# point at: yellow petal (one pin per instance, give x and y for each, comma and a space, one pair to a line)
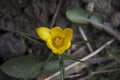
57, 31
67, 44
68, 36
68, 33
58, 52
49, 43
43, 33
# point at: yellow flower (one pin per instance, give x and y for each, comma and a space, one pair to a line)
57, 40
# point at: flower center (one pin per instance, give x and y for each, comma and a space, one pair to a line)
58, 42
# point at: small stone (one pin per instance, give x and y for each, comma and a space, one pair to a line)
115, 19
11, 46
90, 6
29, 12
103, 7
36, 9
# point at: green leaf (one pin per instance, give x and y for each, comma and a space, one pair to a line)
6, 77
22, 67
52, 66
78, 15
29, 67
96, 20
82, 16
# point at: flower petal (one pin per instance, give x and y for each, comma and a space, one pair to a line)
57, 31
67, 44
49, 43
68, 33
58, 52
68, 36
43, 33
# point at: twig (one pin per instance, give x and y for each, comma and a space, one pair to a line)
83, 59
108, 29
109, 65
85, 38
96, 72
104, 71
79, 49
55, 14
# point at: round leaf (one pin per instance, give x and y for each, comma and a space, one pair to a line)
78, 15
22, 67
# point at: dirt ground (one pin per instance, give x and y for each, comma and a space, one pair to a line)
26, 15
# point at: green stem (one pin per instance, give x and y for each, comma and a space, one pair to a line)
72, 58
90, 41
61, 65
27, 36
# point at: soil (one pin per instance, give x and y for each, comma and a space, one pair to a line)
26, 15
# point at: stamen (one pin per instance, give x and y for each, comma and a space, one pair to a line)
58, 42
